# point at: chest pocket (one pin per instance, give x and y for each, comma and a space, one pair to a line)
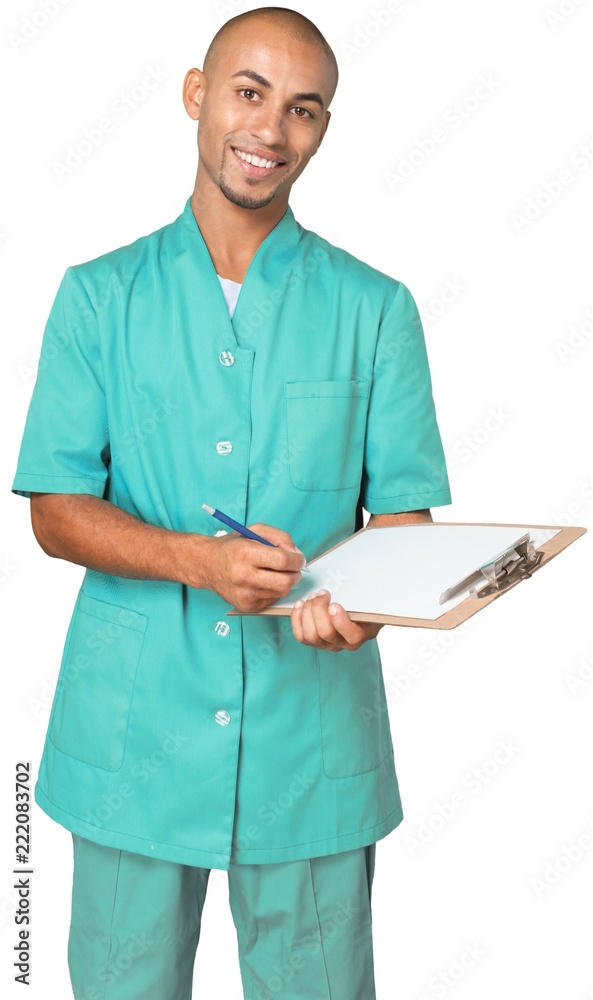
326, 424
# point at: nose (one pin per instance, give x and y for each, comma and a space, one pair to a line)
269, 126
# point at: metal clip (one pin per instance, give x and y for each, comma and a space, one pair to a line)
510, 567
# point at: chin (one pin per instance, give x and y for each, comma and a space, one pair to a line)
246, 199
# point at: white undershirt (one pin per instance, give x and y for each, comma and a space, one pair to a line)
231, 291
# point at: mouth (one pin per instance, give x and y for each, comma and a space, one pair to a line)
257, 166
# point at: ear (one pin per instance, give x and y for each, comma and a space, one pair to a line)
194, 87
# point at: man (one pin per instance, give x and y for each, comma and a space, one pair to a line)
181, 740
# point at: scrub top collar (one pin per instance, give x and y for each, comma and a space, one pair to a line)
275, 255
284, 236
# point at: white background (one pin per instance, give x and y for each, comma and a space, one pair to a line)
512, 405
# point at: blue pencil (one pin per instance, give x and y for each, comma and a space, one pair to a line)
247, 532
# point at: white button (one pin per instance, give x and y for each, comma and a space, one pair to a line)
222, 531
223, 718
222, 628
224, 447
226, 358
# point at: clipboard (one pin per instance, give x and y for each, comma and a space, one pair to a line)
431, 575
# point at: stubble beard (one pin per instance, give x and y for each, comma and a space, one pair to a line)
243, 200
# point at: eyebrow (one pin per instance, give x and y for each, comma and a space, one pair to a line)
257, 78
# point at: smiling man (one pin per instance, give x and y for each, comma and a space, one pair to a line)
232, 358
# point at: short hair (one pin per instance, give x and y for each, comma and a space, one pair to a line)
299, 27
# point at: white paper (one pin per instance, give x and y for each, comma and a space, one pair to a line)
402, 570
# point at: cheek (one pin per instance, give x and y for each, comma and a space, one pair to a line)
218, 121
304, 145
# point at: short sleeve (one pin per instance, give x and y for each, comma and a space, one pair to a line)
404, 462
65, 444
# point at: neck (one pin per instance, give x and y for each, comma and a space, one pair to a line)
231, 233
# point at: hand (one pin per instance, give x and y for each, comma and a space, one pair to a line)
313, 625
247, 574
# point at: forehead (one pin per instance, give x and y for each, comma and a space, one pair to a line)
285, 62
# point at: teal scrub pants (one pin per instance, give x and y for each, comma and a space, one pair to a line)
303, 927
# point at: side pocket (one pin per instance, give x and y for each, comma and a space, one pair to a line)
92, 703
355, 731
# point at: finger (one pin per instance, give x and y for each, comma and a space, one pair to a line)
301, 620
317, 625
351, 633
279, 538
324, 623
296, 620
273, 534
278, 558
271, 585
295, 549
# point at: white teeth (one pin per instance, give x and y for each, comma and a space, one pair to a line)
256, 160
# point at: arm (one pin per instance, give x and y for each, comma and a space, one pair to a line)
92, 532
314, 624
407, 517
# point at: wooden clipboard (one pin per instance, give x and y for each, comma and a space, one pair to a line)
498, 577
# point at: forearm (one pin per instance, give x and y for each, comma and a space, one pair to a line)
94, 533
406, 517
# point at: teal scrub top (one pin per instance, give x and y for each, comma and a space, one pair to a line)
175, 731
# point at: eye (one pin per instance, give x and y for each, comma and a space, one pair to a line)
247, 91
306, 112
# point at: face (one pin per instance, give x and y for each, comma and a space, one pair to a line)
262, 113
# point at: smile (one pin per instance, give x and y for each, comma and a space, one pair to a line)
257, 160
256, 166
